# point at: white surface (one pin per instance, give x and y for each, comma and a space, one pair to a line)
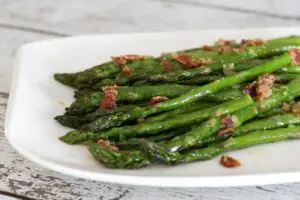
35, 96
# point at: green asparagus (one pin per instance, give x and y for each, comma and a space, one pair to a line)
211, 126
251, 139
194, 95
89, 102
142, 129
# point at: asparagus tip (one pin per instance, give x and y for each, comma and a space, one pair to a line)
155, 150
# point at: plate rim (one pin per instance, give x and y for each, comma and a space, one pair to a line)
154, 181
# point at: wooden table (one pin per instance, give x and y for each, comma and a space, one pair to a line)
23, 21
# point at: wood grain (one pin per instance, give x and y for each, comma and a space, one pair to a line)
2, 197
80, 17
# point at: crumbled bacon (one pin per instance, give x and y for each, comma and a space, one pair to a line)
186, 60
295, 56
167, 65
296, 108
158, 99
208, 48
106, 145
286, 107
229, 162
225, 131
227, 121
252, 42
264, 86
109, 101
224, 49
122, 60
222, 42
126, 70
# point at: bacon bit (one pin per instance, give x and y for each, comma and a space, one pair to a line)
295, 56
225, 131
208, 48
229, 162
186, 60
158, 99
106, 145
252, 42
167, 65
119, 60
224, 49
122, 60
110, 100
286, 107
222, 42
227, 121
251, 89
128, 71
296, 108
264, 86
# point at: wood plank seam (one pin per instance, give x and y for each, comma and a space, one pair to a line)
34, 30
231, 9
9, 194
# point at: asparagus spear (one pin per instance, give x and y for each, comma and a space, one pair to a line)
130, 159
186, 109
294, 69
89, 102
248, 54
76, 121
251, 139
178, 121
81, 93
273, 122
211, 126
108, 156
79, 136
270, 113
93, 75
135, 142
200, 80
195, 94
282, 77
93, 99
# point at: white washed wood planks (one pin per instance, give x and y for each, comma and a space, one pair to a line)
79, 17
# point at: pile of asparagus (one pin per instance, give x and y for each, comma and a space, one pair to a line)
187, 105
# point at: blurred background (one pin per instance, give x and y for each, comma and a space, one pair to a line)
22, 21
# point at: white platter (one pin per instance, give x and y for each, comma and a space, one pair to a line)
35, 98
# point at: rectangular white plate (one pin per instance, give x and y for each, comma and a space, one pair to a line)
35, 98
